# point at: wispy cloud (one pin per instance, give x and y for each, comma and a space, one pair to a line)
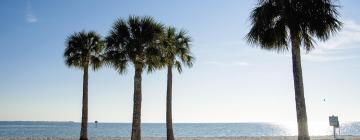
347, 38
322, 58
225, 63
30, 17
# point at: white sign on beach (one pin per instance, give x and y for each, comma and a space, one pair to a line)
334, 121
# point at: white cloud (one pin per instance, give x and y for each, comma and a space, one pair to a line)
322, 58
347, 38
29, 15
240, 63
31, 18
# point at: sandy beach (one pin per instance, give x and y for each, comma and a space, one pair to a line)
188, 138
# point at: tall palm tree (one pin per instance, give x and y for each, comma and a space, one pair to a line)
175, 52
135, 41
277, 23
82, 51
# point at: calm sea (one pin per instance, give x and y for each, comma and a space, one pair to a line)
71, 129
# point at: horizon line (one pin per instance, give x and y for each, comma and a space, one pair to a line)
353, 121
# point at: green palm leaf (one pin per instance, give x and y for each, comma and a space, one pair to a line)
176, 49
134, 41
83, 49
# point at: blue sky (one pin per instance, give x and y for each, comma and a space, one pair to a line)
230, 81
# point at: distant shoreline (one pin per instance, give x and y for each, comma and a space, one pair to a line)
187, 138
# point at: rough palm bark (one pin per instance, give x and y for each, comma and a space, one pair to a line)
136, 130
84, 118
169, 125
303, 133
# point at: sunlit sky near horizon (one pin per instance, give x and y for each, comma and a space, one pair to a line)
230, 81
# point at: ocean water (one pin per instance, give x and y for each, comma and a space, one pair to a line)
71, 129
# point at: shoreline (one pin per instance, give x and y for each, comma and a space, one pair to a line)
186, 138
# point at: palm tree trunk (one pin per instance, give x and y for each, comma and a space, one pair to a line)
136, 129
169, 125
303, 133
84, 118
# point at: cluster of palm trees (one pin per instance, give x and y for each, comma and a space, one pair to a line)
148, 45
140, 41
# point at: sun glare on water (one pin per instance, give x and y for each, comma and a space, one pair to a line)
315, 128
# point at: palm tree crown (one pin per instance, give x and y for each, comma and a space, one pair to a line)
275, 22
176, 48
83, 49
135, 41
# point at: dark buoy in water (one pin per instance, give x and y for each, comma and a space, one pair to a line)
96, 122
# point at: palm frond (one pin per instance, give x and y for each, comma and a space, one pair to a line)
83, 49
272, 21
268, 27
176, 48
134, 41
178, 66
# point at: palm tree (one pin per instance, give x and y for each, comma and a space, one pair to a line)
175, 52
82, 51
134, 41
277, 23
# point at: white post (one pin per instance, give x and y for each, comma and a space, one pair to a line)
334, 132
